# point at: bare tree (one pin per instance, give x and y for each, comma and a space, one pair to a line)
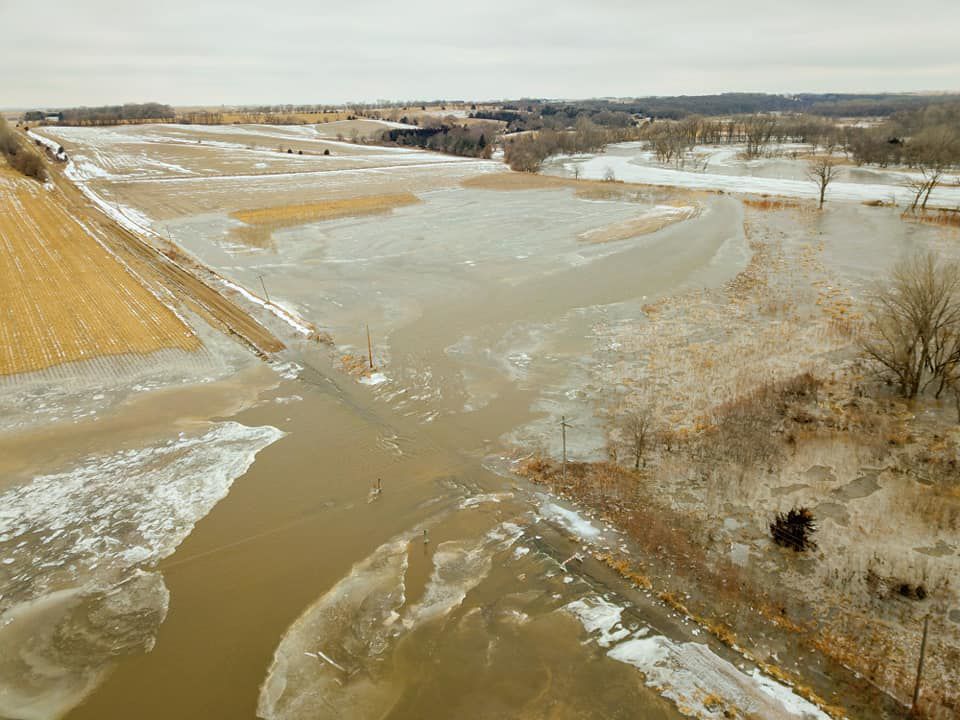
933, 151
758, 131
914, 324
822, 170
637, 428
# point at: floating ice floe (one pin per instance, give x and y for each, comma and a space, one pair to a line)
359, 621
484, 498
376, 378
79, 548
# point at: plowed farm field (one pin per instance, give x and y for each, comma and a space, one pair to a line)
63, 296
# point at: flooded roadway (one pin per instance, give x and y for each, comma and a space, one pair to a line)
293, 591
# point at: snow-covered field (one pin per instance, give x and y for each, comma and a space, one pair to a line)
724, 170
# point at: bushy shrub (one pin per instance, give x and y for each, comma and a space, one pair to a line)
794, 529
19, 155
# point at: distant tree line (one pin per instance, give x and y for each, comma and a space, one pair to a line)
116, 114
821, 104
19, 154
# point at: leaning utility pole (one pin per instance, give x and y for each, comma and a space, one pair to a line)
264, 286
923, 651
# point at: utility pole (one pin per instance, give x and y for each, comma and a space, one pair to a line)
264, 286
923, 651
369, 347
563, 434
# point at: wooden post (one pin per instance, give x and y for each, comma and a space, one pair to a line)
563, 433
923, 651
369, 347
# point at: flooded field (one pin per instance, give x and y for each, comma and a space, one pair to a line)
312, 538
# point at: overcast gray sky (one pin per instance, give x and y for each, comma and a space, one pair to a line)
67, 52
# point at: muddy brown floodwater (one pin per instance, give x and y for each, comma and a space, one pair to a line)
222, 552
489, 639
296, 523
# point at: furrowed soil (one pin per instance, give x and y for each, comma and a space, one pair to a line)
64, 296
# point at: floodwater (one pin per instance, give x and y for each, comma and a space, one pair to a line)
216, 549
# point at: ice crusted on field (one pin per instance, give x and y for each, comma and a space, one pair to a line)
290, 318
689, 672
629, 169
330, 662
599, 616
569, 520
79, 546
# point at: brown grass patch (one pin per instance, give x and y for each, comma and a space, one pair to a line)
261, 223
585, 189
942, 218
287, 215
516, 181
63, 296
770, 203
649, 222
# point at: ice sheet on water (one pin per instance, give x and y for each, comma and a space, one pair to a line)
329, 663
458, 567
376, 378
351, 625
484, 498
78, 547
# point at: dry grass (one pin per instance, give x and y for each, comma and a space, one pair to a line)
942, 218
517, 181
63, 296
260, 223
586, 189
287, 215
650, 222
769, 203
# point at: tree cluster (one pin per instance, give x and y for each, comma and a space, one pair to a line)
464, 140
528, 151
926, 139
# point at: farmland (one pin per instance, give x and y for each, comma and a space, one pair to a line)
65, 297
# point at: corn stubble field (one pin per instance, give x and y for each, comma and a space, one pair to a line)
64, 297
